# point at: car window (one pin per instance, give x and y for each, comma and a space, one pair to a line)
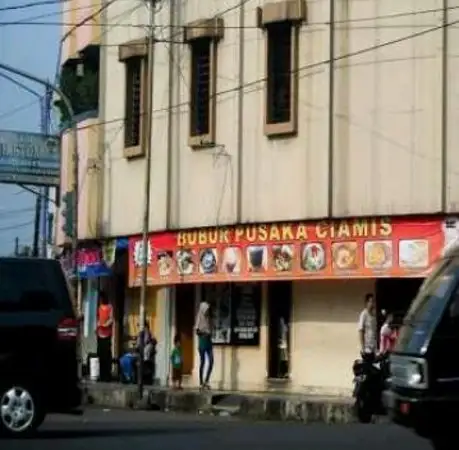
32, 285
432, 297
429, 308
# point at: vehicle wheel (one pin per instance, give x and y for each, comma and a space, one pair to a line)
362, 412
21, 411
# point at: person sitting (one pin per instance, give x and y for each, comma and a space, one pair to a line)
127, 366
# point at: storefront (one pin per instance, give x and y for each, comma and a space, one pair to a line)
157, 306
101, 267
286, 297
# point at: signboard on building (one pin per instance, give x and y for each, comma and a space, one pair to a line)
29, 158
353, 248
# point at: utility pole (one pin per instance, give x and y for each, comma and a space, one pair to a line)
16, 246
45, 129
146, 142
36, 227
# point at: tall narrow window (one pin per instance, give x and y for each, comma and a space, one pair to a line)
133, 102
279, 73
200, 86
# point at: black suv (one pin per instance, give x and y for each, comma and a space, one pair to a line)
38, 345
424, 391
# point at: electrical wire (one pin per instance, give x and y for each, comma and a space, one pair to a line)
85, 21
12, 212
33, 20
18, 225
30, 5
18, 109
299, 69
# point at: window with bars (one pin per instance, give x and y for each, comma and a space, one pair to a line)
133, 102
279, 73
201, 72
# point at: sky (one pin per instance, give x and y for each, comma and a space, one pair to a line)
32, 48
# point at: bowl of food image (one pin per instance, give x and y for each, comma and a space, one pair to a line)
165, 263
283, 257
185, 262
231, 260
257, 258
345, 255
208, 261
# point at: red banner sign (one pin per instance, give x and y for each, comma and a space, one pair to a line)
305, 250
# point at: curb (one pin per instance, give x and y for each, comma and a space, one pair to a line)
250, 407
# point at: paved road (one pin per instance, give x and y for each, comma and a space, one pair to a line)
118, 430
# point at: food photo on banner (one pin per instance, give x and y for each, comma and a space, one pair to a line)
363, 248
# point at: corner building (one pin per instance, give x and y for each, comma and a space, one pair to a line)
290, 176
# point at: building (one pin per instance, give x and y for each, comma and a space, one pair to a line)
296, 167
79, 79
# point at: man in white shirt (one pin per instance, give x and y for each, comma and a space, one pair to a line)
367, 326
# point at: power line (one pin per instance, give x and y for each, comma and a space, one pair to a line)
30, 5
18, 225
300, 69
15, 211
32, 21
84, 22
120, 17
18, 109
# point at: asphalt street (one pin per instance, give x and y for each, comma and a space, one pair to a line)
126, 430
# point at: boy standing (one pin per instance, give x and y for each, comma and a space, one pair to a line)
176, 363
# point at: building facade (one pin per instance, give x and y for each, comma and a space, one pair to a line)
335, 119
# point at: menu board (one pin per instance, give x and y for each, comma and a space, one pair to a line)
246, 314
235, 312
219, 297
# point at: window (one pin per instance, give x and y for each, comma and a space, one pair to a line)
79, 80
133, 102
279, 68
202, 37
200, 86
281, 22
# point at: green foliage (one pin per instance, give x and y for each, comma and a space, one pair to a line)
82, 91
68, 213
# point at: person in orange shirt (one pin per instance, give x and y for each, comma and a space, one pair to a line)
104, 337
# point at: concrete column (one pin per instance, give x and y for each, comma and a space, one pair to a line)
164, 327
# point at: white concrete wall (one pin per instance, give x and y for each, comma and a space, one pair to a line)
324, 333
387, 117
324, 342
124, 179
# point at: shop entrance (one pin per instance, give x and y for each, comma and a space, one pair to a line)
279, 317
184, 323
394, 295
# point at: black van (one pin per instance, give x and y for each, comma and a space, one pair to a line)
424, 393
39, 370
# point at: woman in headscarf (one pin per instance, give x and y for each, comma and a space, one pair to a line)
204, 332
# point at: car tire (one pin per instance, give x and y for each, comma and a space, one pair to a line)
21, 409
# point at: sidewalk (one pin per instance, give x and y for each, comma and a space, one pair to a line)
256, 406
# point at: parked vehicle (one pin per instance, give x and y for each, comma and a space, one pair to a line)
38, 345
424, 394
370, 377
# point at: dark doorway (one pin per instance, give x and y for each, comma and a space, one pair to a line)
279, 322
184, 323
394, 295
